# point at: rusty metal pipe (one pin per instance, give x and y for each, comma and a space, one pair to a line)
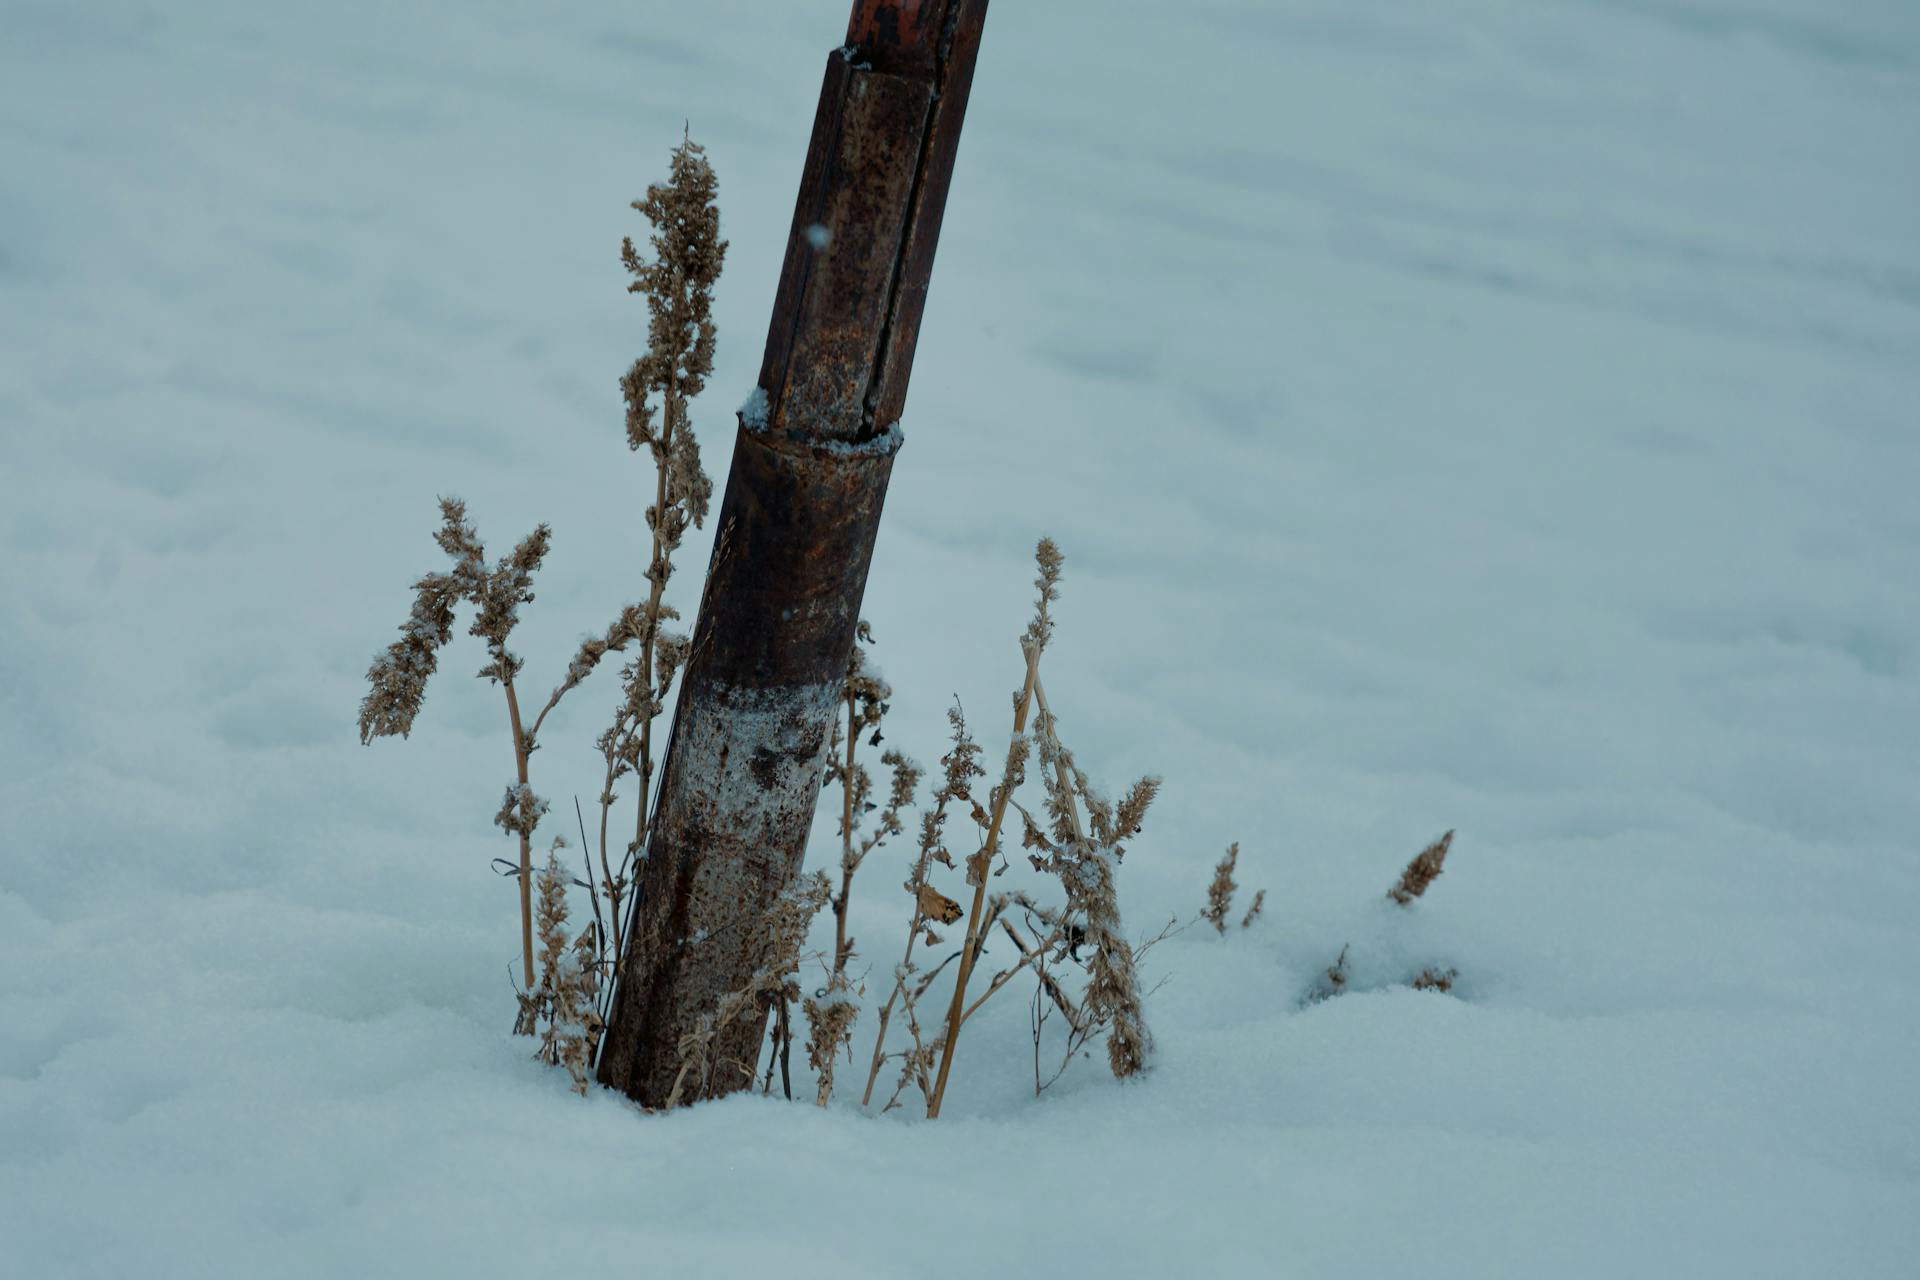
812, 456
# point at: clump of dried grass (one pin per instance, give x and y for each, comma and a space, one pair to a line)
1079, 842
1337, 974
1220, 894
1414, 881
959, 767
565, 1004
1084, 856
1253, 912
678, 285
832, 1011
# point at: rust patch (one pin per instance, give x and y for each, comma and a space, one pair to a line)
849, 221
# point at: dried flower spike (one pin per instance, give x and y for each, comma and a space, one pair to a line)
1253, 912
1220, 892
1422, 871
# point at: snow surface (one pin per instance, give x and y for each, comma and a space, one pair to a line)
1474, 414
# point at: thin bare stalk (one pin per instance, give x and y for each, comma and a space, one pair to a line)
848, 864
914, 929
958, 772
827, 1024
1060, 766
526, 840
586, 860
978, 873
657, 572
610, 885
832, 1011
1034, 957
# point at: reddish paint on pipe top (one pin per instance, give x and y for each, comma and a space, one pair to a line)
893, 24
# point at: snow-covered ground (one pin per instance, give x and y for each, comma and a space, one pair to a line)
1482, 414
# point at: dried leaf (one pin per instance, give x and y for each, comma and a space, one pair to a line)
935, 905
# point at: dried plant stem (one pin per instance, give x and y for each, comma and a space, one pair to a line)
599, 924
879, 1046
611, 886
832, 1011
783, 1020
848, 862
885, 1018
832, 1023
1059, 763
827, 1046
1085, 856
970, 949
1034, 957
1220, 892
958, 772
526, 840
914, 929
658, 570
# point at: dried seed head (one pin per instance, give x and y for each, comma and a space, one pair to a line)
521, 810
397, 680
1422, 871
1047, 556
1220, 892
565, 999
499, 598
462, 545
1133, 808
550, 916
678, 284
1253, 912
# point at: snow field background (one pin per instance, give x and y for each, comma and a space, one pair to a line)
1483, 415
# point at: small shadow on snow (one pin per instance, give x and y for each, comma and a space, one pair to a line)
1106, 363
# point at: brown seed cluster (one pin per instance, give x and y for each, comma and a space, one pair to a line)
1422, 871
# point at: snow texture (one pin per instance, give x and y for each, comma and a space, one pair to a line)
1474, 414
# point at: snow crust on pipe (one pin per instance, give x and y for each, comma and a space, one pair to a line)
753, 418
753, 410
743, 782
751, 765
